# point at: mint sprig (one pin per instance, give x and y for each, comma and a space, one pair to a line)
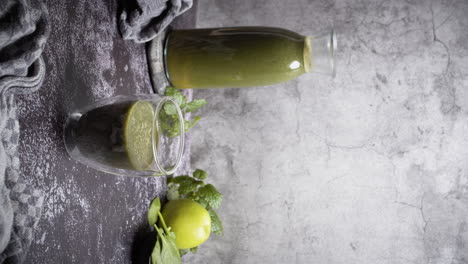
194, 188
169, 120
209, 195
183, 187
216, 224
165, 250
200, 174
194, 105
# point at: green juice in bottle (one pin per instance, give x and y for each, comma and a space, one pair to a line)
239, 56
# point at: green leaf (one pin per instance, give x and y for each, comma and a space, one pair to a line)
171, 250
176, 95
169, 254
172, 127
194, 188
216, 224
170, 91
169, 119
189, 124
211, 195
193, 250
168, 125
174, 130
187, 188
156, 254
202, 201
186, 184
170, 109
194, 105
173, 192
155, 207
200, 174
180, 179
183, 251
192, 196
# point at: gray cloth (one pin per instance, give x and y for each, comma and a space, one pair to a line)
23, 34
143, 20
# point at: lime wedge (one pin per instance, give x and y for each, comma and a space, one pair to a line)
138, 135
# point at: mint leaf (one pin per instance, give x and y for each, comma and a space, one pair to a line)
212, 197
155, 207
171, 91
194, 105
169, 126
172, 192
216, 224
168, 254
169, 118
186, 184
183, 251
156, 254
171, 253
191, 196
176, 95
193, 188
170, 109
167, 251
202, 201
189, 124
189, 187
180, 179
175, 130
200, 174
172, 128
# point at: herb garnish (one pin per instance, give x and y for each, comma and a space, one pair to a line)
194, 188
170, 122
165, 250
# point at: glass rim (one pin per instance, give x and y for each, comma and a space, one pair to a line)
165, 42
332, 48
156, 126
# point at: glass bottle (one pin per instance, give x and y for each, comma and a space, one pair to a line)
244, 56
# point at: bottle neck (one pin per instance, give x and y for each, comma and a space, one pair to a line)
307, 55
319, 53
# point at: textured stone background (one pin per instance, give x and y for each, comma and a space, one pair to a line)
88, 216
371, 167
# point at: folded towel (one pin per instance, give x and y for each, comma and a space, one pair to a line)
23, 34
145, 19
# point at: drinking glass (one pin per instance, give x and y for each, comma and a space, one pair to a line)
127, 135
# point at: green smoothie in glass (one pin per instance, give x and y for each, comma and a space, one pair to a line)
126, 135
118, 135
244, 56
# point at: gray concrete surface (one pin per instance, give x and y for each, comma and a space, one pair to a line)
370, 167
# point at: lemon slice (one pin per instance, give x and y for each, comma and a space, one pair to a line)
138, 137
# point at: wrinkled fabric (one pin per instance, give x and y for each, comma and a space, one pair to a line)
23, 34
145, 19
